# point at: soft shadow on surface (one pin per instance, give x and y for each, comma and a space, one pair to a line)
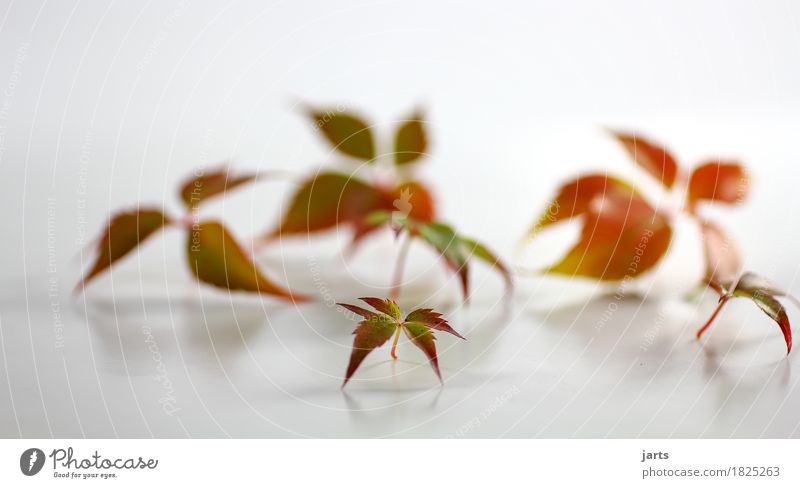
622, 328
132, 328
220, 330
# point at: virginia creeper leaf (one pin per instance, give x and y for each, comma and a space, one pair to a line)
423, 338
445, 240
384, 306
622, 236
753, 281
330, 199
719, 182
433, 320
576, 197
763, 294
125, 231
346, 132
652, 157
371, 333
723, 263
410, 141
480, 251
217, 259
367, 314
378, 327
203, 186
455, 250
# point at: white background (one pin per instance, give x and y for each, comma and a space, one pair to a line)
105, 105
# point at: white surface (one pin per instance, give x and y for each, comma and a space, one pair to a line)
107, 105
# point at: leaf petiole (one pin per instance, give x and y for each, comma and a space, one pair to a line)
394, 344
722, 301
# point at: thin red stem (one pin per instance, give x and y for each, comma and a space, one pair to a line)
722, 301
394, 344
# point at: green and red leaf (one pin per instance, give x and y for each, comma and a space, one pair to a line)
370, 334
203, 186
480, 251
378, 327
124, 233
454, 249
367, 314
385, 306
330, 199
346, 132
762, 293
655, 159
422, 337
433, 320
445, 240
215, 258
410, 141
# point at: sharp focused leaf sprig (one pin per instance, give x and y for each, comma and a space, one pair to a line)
377, 328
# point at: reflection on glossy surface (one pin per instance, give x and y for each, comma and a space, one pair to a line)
206, 364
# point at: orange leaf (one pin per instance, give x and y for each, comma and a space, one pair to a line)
652, 157
413, 200
125, 231
217, 259
622, 236
575, 198
719, 182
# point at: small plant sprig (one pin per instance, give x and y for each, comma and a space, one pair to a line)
330, 198
213, 254
378, 327
762, 293
624, 236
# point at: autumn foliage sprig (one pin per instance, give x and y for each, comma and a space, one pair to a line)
394, 197
623, 235
213, 254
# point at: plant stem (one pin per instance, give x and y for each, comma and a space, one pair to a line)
722, 301
394, 344
716, 287
399, 265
